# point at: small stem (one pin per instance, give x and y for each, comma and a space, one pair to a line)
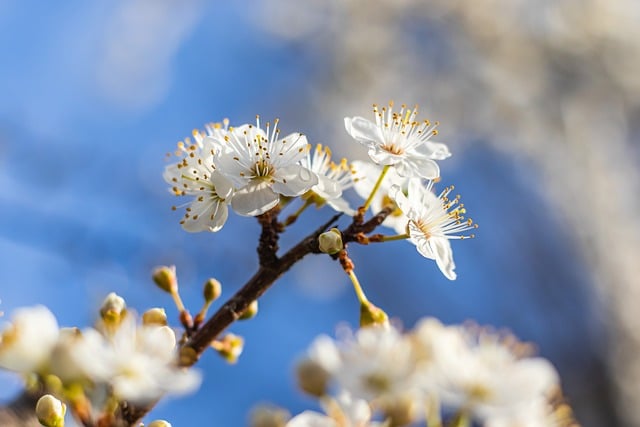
379, 238
177, 301
461, 419
292, 218
357, 287
375, 187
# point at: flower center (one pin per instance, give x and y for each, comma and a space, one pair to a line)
262, 169
393, 149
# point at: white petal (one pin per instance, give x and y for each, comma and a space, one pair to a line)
224, 187
311, 419
254, 199
434, 150
294, 180
208, 215
231, 165
341, 205
327, 188
419, 167
363, 130
400, 199
441, 248
383, 157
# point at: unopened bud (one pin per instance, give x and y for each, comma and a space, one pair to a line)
370, 315
401, 412
159, 423
268, 416
154, 316
251, 311
330, 242
165, 278
230, 347
50, 411
313, 378
212, 290
113, 309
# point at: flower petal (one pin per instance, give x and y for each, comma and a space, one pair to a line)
294, 180
441, 248
255, 198
418, 167
363, 130
434, 150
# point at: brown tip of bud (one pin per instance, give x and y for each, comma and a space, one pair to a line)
165, 278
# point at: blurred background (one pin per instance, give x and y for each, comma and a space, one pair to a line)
539, 100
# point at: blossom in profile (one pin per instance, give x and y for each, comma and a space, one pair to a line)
433, 221
27, 342
333, 179
398, 139
263, 166
195, 176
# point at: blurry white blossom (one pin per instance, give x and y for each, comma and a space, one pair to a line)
26, 342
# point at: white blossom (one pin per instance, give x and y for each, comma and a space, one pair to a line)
26, 342
489, 377
368, 174
398, 139
344, 411
433, 221
195, 176
263, 166
333, 179
143, 365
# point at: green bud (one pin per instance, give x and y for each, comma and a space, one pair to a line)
165, 278
212, 290
250, 312
50, 411
154, 316
113, 309
330, 242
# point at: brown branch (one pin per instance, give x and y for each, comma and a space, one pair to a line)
21, 412
266, 275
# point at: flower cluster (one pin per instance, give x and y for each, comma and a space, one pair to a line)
255, 170
95, 368
430, 370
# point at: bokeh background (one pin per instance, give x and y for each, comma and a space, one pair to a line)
537, 99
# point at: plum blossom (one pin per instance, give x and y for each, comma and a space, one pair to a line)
195, 176
263, 166
398, 139
433, 221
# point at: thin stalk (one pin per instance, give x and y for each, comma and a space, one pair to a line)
375, 188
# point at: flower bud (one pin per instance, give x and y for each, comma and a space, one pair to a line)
159, 423
330, 242
268, 416
230, 347
50, 411
313, 378
250, 312
370, 315
212, 290
165, 278
113, 309
154, 316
